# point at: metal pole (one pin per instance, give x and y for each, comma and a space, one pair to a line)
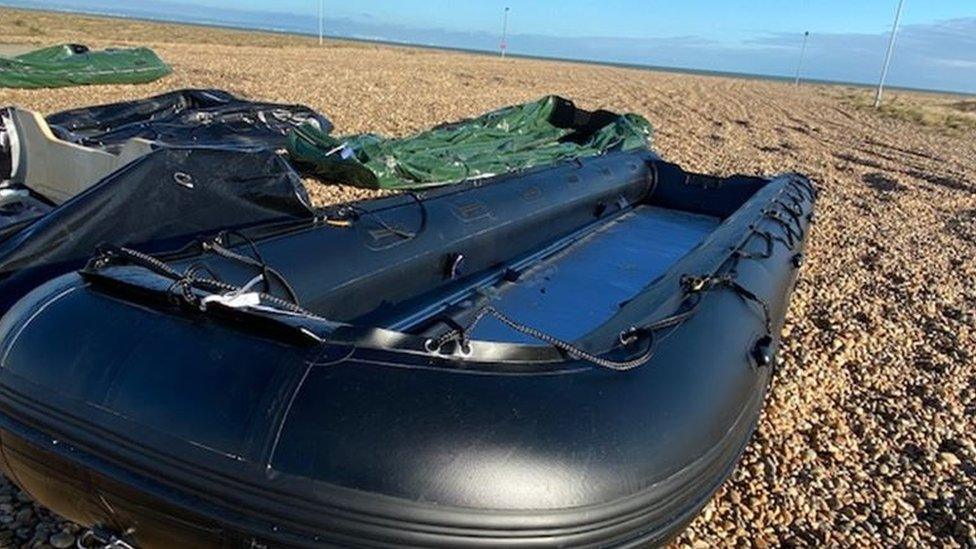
799, 63
887, 59
321, 16
504, 43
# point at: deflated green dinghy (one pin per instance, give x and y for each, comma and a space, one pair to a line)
507, 140
77, 65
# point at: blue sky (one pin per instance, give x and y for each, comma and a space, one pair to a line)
936, 46
642, 18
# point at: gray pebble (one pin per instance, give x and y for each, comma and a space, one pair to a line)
62, 540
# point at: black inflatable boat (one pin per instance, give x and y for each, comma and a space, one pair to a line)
573, 355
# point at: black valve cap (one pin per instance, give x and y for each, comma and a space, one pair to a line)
762, 352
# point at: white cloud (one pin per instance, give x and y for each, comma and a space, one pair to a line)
956, 63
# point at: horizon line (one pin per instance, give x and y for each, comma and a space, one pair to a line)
486, 52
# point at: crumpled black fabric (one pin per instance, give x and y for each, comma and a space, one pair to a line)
187, 118
18, 208
160, 202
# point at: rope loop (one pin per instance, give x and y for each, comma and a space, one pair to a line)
184, 283
693, 284
461, 337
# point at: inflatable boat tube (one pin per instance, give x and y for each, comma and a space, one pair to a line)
572, 356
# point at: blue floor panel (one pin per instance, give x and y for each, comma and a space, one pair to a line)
575, 291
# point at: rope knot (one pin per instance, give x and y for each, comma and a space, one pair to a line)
694, 284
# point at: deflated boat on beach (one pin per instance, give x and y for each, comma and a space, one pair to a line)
77, 65
510, 139
60, 156
154, 173
568, 354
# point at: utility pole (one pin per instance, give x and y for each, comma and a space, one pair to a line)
321, 22
504, 45
799, 63
887, 59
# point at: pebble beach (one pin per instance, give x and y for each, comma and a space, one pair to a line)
868, 437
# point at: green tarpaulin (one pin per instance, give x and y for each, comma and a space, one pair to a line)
76, 65
514, 138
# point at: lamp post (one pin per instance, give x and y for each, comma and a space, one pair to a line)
321, 22
799, 63
887, 58
504, 44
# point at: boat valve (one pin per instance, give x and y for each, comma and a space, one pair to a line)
455, 266
762, 351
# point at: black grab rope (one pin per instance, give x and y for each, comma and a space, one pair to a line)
769, 239
352, 211
461, 336
267, 272
187, 280
792, 235
699, 284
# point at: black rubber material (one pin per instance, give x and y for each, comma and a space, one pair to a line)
63, 474
144, 205
214, 429
186, 118
219, 168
